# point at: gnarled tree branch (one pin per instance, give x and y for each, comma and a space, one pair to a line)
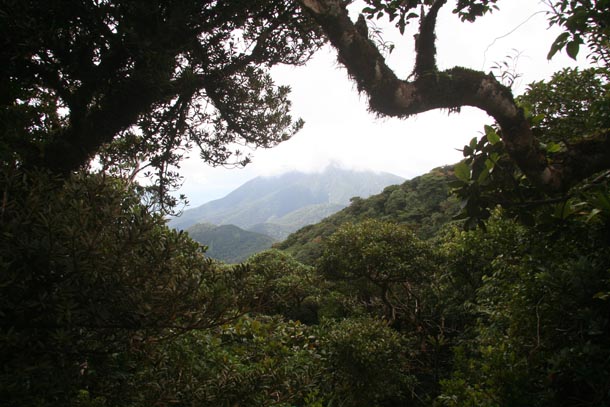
453, 88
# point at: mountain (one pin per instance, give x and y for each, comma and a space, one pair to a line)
280, 228
279, 205
228, 242
423, 202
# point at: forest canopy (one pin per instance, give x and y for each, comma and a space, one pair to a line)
496, 295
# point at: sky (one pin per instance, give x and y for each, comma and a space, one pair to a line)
340, 130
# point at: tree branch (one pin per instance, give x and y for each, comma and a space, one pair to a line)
89, 129
449, 89
425, 44
97, 116
586, 157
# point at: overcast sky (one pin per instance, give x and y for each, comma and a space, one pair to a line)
339, 129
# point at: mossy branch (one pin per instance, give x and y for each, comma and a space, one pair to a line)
425, 43
451, 89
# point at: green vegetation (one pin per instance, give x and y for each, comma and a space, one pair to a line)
93, 286
536, 329
423, 203
480, 284
228, 243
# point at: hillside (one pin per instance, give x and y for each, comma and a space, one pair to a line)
423, 203
280, 228
282, 204
229, 243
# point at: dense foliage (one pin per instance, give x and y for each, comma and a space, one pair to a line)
536, 315
101, 304
515, 312
424, 203
137, 83
573, 105
91, 283
228, 243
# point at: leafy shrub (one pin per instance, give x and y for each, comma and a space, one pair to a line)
281, 285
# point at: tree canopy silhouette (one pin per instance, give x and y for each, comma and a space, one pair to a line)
142, 81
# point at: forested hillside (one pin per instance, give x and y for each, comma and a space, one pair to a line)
482, 284
229, 243
423, 203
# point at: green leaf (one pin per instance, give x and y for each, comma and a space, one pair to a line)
473, 143
553, 147
602, 201
462, 171
572, 49
563, 210
492, 135
594, 212
483, 176
536, 120
558, 44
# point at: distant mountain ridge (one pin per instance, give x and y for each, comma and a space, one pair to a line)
280, 205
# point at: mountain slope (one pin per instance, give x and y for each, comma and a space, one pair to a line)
228, 242
282, 200
423, 203
280, 228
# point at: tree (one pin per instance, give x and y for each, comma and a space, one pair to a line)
366, 364
389, 273
585, 22
571, 105
95, 290
533, 313
258, 362
91, 284
278, 284
385, 264
430, 88
142, 81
